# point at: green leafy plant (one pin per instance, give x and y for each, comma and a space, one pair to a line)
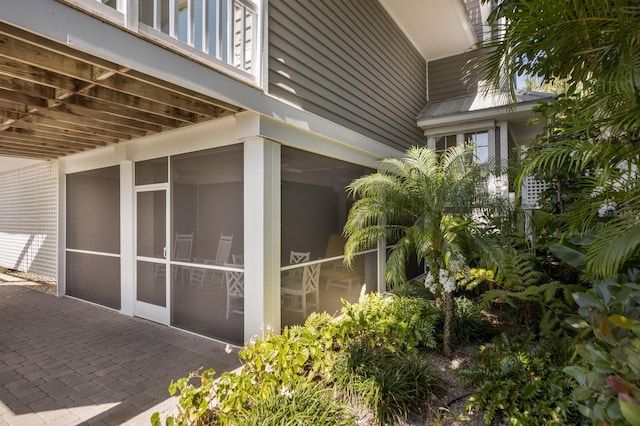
521, 382
394, 322
607, 365
427, 206
544, 307
288, 370
304, 404
470, 324
387, 383
195, 403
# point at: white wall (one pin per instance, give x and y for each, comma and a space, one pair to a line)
29, 218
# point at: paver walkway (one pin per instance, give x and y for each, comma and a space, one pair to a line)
67, 362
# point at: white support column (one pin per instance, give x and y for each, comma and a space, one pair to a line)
62, 230
127, 254
504, 156
261, 235
382, 266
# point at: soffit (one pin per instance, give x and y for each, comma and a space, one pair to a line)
56, 101
437, 28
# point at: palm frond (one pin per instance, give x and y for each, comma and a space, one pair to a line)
615, 243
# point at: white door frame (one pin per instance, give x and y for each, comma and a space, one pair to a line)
159, 314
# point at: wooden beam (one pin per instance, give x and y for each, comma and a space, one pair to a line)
47, 49
17, 143
107, 118
57, 132
135, 87
21, 98
65, 116
43, 137
120, 111
25, 87
13, 107
35, 154
140, 104
9, 115
18, 50
84, 127
16, 69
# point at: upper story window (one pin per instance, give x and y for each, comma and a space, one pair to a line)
445, 142
221, 32
480, 139
481, 142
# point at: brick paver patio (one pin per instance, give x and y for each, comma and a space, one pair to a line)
67, 362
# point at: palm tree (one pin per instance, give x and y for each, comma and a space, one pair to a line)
430, 206
593, 46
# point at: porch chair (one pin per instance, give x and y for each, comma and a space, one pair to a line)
222, 257
296, 257
181, 252
304, 293
182, 246
235, 290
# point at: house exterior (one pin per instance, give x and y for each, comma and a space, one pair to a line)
185, 161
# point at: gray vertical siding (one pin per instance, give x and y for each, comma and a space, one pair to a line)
347, 61
447, 77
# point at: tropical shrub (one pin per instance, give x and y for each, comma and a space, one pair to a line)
305, 404
282, 374
386, 382
470, 324
607, 365
543, 308
521, 382
428, 206
393, 322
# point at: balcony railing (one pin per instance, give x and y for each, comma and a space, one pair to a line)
222, 31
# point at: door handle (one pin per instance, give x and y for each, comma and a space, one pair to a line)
164, 252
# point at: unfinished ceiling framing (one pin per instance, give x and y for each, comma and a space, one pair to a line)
56, 101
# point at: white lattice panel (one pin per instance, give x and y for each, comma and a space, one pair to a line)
531, 190
29, 219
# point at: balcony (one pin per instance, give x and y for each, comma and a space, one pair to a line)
222, 34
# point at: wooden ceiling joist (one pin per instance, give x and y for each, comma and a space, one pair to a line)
56, 100
37, 145
26, 153
64, 134
30, 135
82, 129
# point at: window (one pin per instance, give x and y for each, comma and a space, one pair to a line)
481, 142
445, 142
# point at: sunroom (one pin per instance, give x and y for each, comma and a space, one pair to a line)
165, 198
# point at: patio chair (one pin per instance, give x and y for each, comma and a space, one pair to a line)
304, 293
222, 257
296, 257
235, 291
182, 246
